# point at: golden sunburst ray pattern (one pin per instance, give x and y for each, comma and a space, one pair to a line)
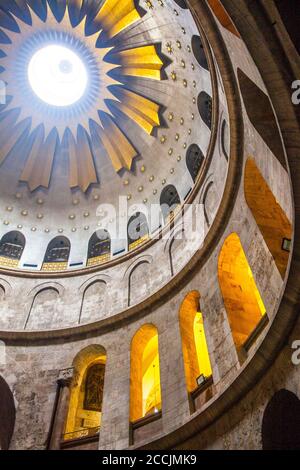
25, 26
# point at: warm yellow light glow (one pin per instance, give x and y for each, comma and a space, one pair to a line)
151, 377
201, 346
242, 299
270, 218
145, 390
141, 62
116, 15
142, 110
194, 346
80, 419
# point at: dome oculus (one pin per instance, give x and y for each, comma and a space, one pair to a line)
57, 75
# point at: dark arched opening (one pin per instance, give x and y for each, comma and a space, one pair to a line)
7, 415
12, 246
169, 202
205, 108
199, 52
281, 422
137, 230
194, 160
99, 248
57, 254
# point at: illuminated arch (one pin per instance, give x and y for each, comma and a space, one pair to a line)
85, 406
145, 390
194, 345
243, 303
270, 217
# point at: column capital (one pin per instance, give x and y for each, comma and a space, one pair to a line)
65, 377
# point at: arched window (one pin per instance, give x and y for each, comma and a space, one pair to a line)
270, 218
169, 202
12, 246
243, 303
199, 52
194, 346
86, 395
281, 422
194, 160
99, 248
57, 255
205, 108
145, 391
137, 230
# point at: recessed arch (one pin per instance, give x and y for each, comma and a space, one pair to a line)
93, 301
205, 108
12, 245
270, 217
137, 230
99, 249
86, 393
281, 422
138, 282
57, 254
194, 160
145, 389
194, 345
43, 309
242, 299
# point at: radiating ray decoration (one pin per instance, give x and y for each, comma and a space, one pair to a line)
27, 25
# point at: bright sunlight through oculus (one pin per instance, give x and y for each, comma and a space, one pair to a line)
57, 76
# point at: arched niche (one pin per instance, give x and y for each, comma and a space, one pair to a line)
194, 160
281, 422
169, 202
145, 389
12, 246
261, 115
137, 230
269, 216
194, 345
99, 249
138, 280
93, 302
57, 255
86, 393
242, 299
43, 309
7, 415
205, 108
199, 52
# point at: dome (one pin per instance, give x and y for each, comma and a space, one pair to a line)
95, 136
149, 245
